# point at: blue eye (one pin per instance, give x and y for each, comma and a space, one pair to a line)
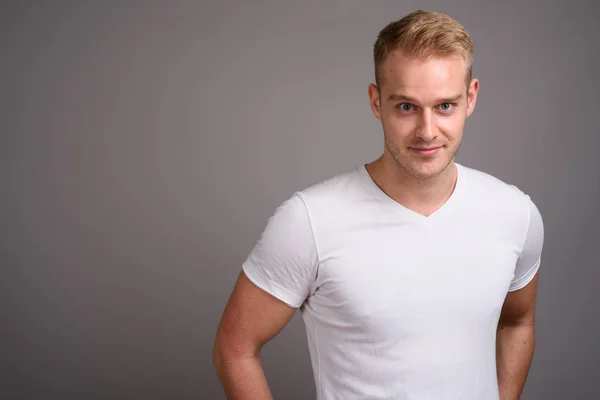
445, 106
405, 107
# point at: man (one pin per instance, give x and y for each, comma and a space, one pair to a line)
415, 276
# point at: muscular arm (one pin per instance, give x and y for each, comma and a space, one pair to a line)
515, 340
251, 318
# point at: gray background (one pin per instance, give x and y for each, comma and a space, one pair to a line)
144, 145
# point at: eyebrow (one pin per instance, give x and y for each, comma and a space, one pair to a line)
401, 97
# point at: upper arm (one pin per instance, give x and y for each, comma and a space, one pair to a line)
251, 318
531, 251
519, 305
278, 275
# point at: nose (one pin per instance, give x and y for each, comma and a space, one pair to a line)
426, 126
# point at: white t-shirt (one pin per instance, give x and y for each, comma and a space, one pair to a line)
398, 305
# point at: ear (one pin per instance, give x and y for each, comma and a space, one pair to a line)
375, 101
472, 96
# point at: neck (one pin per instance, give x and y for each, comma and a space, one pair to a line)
423, 196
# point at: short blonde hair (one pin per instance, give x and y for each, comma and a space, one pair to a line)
424, 34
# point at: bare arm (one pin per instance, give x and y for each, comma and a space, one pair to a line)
251, 318
515, 340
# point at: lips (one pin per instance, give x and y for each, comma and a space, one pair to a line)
426, 151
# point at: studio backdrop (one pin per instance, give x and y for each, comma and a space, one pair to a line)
144, 145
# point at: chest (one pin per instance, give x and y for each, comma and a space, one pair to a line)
402, 276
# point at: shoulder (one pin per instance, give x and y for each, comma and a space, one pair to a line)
498, 202
328, 200
334, 192
495, 191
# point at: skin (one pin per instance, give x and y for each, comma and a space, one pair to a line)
515, 340
251, 318
425, 104
421, 104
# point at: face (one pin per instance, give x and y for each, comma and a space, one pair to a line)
422, 106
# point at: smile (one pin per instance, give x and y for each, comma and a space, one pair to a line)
429, 151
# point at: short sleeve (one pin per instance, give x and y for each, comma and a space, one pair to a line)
284, 260
531, 254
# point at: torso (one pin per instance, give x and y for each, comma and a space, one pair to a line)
406, 306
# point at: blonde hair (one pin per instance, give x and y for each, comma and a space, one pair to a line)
424, 34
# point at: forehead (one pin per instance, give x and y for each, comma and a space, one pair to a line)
423, 78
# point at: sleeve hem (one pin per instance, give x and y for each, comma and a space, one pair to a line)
274, 289
525, 279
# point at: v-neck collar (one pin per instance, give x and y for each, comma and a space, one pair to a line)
414, 216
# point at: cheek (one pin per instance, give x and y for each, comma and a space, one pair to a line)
399, 128
451, 126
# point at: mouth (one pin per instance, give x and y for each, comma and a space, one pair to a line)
426, 151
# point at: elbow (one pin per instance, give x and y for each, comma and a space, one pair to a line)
217, 357
228, 351
221, 355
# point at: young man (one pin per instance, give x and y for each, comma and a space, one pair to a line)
415, 276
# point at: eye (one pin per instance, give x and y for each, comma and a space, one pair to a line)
405, 107
445, 106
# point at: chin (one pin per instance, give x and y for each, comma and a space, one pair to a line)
427, 168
